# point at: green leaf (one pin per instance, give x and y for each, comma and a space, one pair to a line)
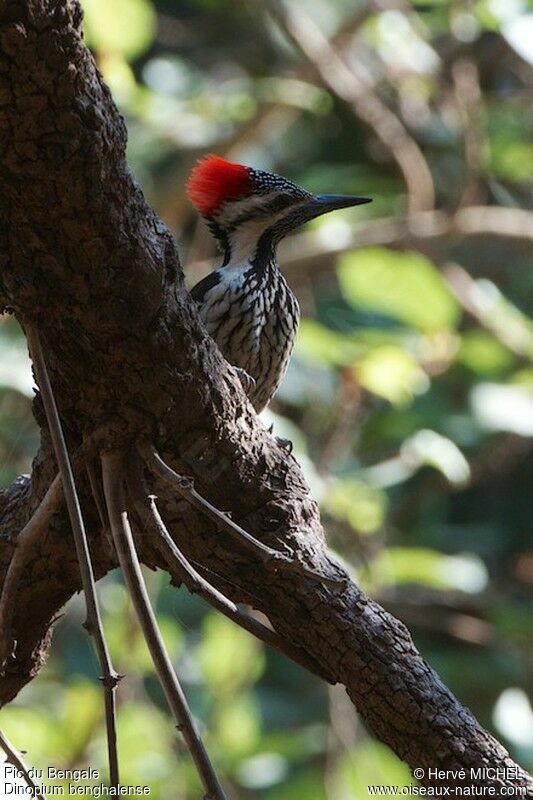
510, 152
308, 785
482, 353
318, 343
369, 764
426, 447
124, 27
428, 567
146, 751
238, 725
34, 732
405, 286
228, 656
392, 373
362, 506
82, 713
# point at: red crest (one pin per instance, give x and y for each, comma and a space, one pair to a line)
215, 180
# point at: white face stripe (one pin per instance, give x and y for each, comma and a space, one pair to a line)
244, 238
232, 210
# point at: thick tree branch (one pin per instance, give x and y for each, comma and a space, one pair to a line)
83, 255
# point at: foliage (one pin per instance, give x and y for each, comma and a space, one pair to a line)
409, 399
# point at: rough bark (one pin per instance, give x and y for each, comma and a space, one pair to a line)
84, 257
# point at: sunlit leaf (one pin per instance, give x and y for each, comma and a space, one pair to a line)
482, 353
429, 448
120, 77
82, 714
370, 763
513, 716
405, 286
125, 27
519, 34
262, 770
146, 739
318, 343
238, 725
510, 149
504, 407
392, 373
430, 568
423, 448
30, 730
229, 657
308, 784
362, 506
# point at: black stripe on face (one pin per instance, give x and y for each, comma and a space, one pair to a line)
270, 208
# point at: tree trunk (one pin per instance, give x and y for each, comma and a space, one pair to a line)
84, 258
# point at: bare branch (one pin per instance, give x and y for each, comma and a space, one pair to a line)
365, 103
196, 583
513, 330
468, 99
93, 623
267, 555
14, 758
112, 468
92, 262
417, 231
97, 493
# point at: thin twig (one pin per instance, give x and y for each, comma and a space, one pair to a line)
420, 231
196, 583
112, 470
24, 545
97, 493
469, 104
267, 555
364, 102
14, 758
512, 328
93, 623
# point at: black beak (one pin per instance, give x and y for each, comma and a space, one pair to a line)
330, 202
323, 203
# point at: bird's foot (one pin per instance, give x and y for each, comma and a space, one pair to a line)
285, 445
247, 382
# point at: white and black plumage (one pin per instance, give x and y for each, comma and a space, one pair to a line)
246, 304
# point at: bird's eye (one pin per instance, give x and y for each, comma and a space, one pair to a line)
279, 203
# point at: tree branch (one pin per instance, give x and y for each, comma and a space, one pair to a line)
14, 758
93, 623
112, 468
84, 257
269, 557
146, 507
364, 102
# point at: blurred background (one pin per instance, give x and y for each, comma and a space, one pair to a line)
409, 399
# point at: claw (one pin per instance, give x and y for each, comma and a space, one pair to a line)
285, 445
248, 383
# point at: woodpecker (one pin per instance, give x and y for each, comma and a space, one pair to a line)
246, 304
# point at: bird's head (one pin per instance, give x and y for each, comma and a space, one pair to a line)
250, 210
